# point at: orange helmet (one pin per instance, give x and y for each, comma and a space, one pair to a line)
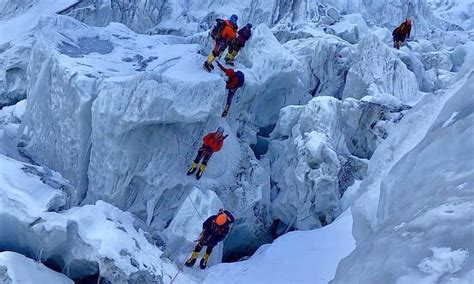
221, 219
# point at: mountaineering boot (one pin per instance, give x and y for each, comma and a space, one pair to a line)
208, 67
226, 111
203, 263
192, 169
208, 64
192, 260
229, 58
201, 171
397, 44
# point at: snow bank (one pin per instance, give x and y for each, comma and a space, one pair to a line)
16, 268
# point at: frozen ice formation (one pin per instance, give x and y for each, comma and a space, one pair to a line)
419, 202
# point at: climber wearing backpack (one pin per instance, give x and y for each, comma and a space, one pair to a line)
244, 35
223, 33
235, 81
214, 230
401, 33
212, 142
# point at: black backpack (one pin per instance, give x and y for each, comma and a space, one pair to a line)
217, 28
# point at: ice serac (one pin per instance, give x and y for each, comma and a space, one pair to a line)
59, 95
312, 156
159, 120
188, 17
323, 77
16, 268
377, 72
424, 212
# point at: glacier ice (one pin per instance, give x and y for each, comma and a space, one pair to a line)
415, 208
16, 268
377, 70
316, 153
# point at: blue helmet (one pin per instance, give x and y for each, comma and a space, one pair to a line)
249, 25
220, 129
234, 18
